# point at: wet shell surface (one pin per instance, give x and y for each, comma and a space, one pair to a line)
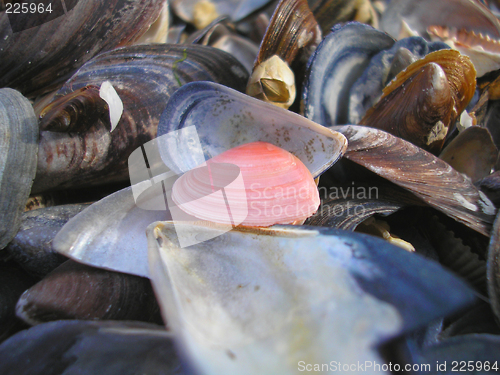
422, 101
18, 158
419, 110
272, 186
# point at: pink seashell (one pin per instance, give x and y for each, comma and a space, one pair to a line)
255, 184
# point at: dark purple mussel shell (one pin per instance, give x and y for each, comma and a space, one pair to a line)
89, 348
144, 77
77, 291
41, 58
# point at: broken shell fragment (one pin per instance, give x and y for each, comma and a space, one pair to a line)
276, 188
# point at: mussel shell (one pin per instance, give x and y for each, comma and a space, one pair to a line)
41, 57
225, 118
241, 48
335, 66
65, 114
77, 291
89, 348
461, 14
358, 202
109, 234
459, 72
428, 177
493, 268
291, 30
18, 159
97, 156
221, 34
32, 245
159, 29
289, 292
472, 152
383, 67
419, 110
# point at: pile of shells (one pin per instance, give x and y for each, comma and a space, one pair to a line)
250, 187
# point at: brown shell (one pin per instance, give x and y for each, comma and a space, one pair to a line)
459, 71
428, 177
292, 29
77, 291
419, 110
421, 102
75, 112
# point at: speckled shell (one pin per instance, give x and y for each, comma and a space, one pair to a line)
224, 118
